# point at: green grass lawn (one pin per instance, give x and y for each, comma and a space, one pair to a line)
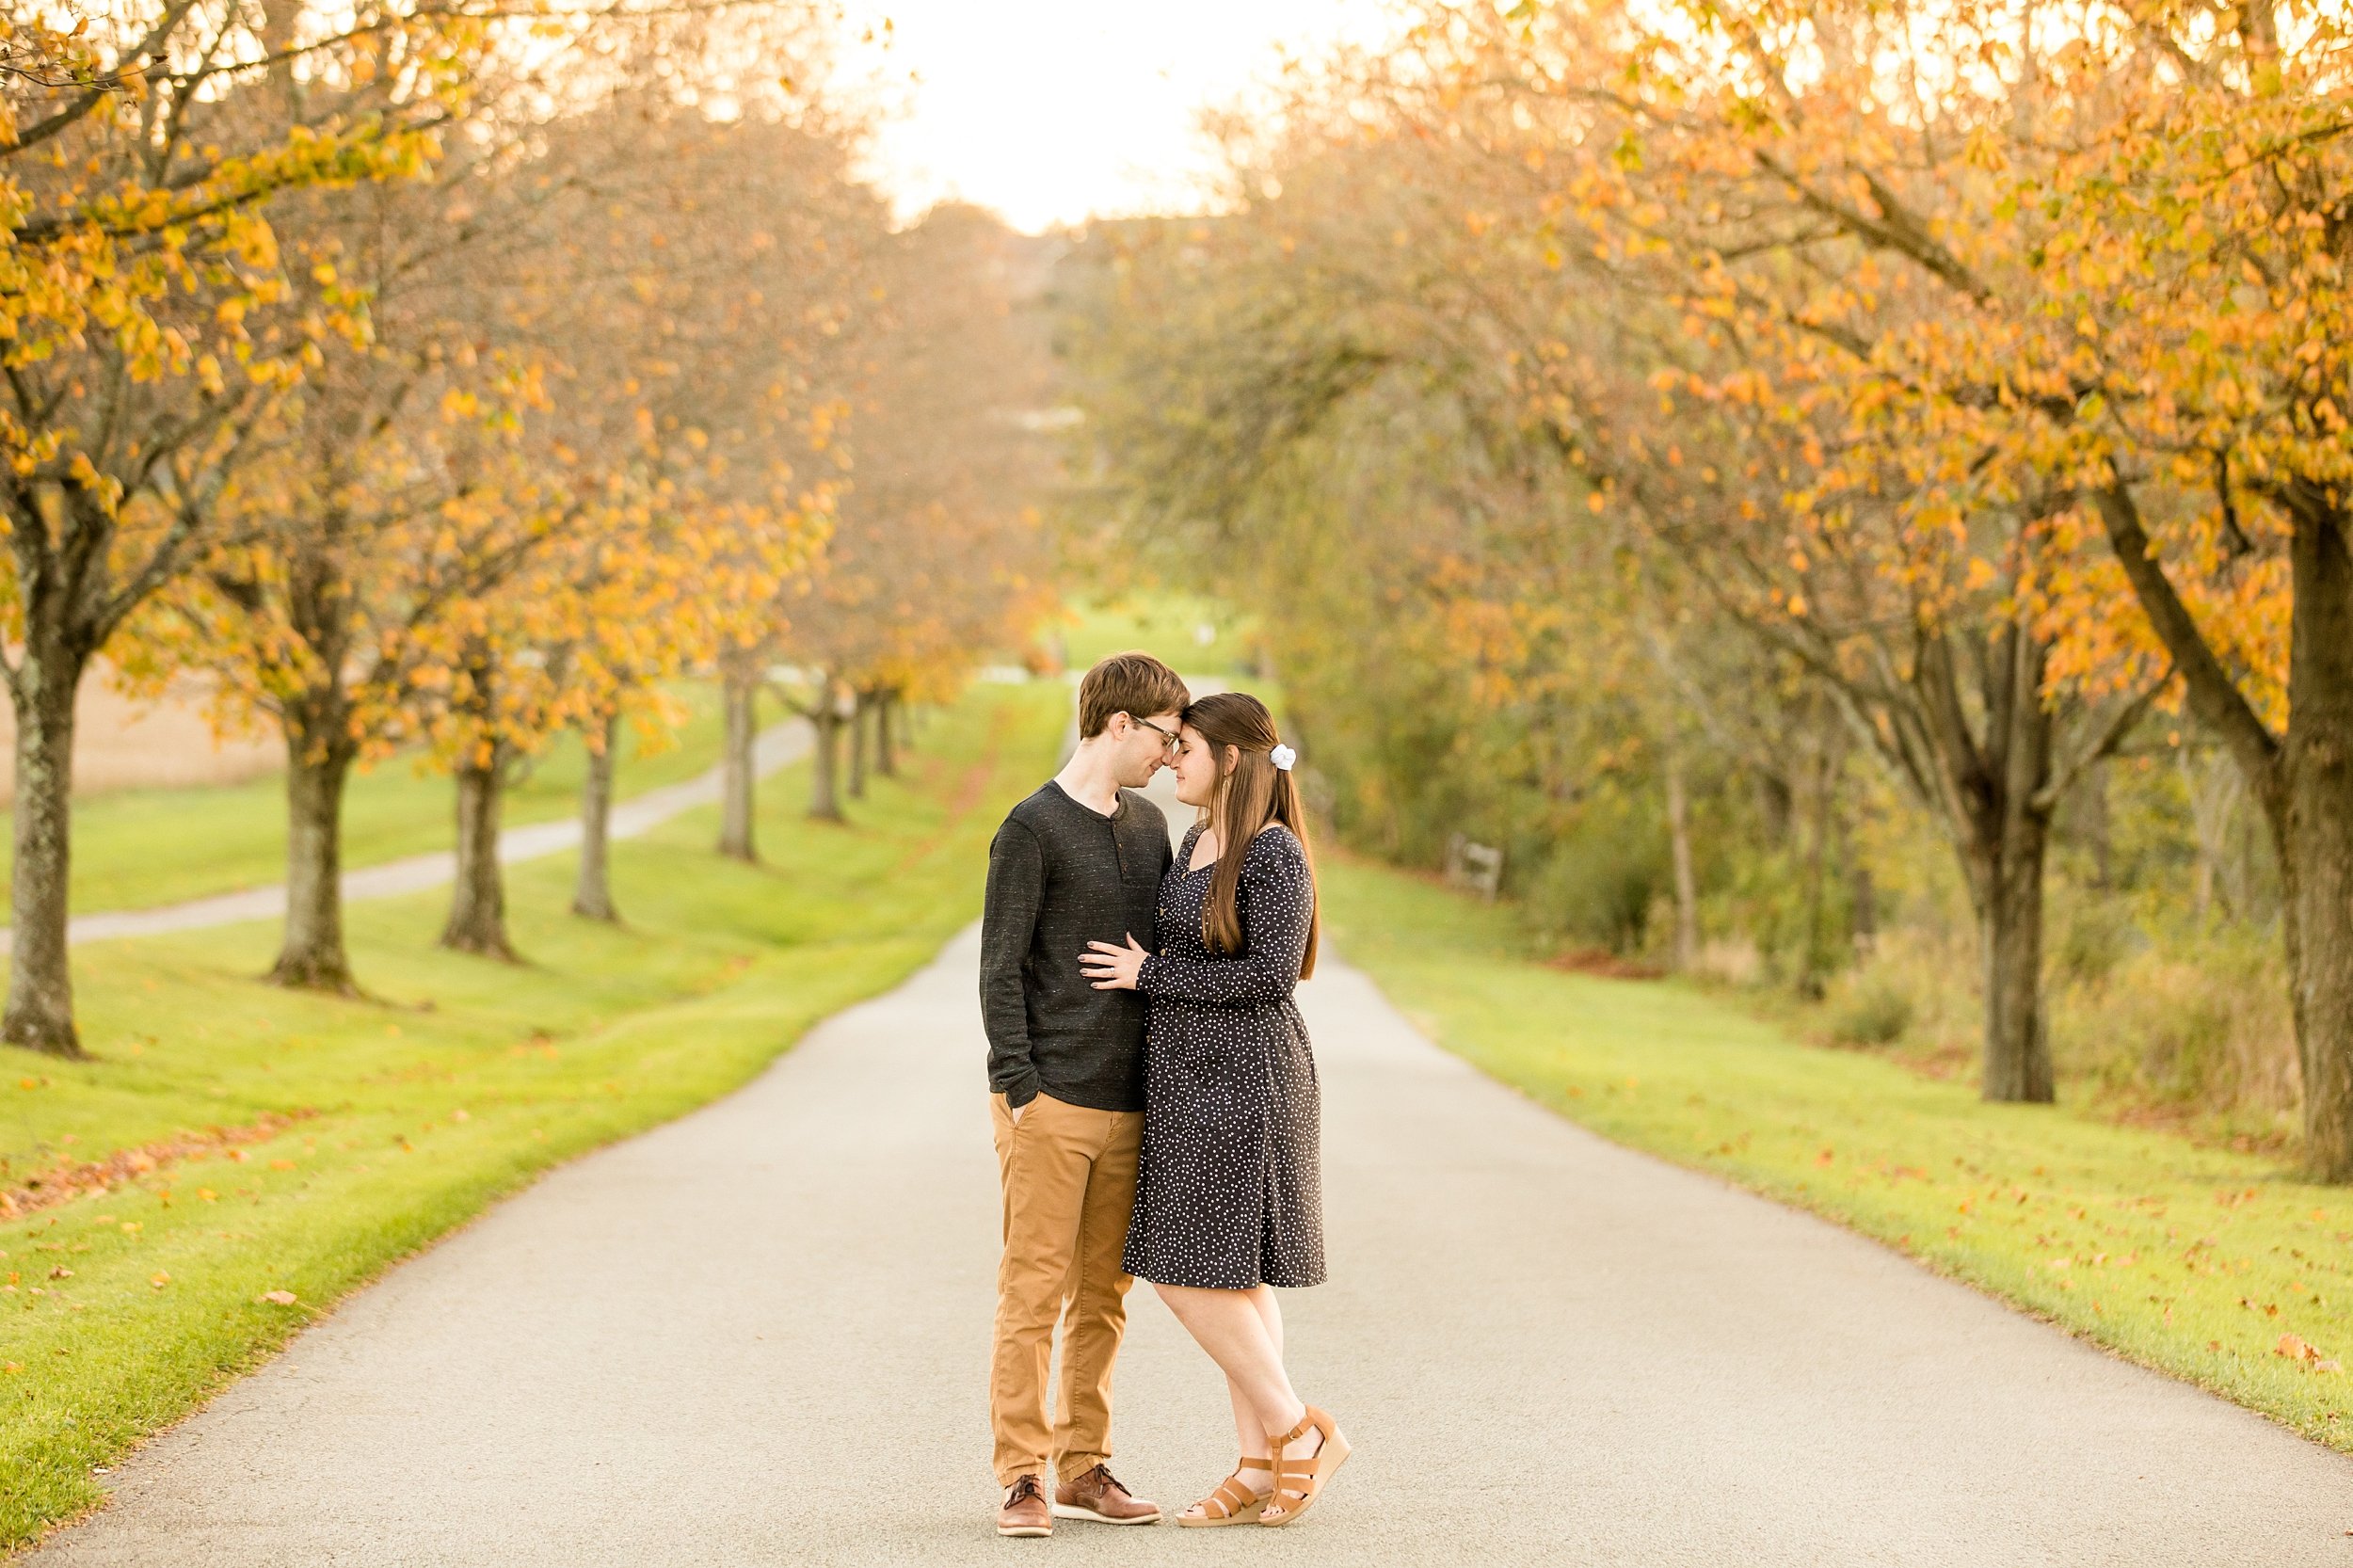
2196, 1261
134, 849
1166, 625
320, 1139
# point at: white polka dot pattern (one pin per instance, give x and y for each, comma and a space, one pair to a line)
1230, 1190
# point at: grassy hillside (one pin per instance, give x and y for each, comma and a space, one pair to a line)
238, 1157
134, 849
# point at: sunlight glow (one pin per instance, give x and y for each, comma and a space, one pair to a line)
1052, 110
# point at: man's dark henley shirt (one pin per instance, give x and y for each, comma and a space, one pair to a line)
1060, 876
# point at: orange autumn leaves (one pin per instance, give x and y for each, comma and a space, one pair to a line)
435, 378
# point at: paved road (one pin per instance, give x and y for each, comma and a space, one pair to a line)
777, 747
757, 1336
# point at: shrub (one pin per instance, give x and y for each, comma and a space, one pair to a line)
1870, 1009
2095, 937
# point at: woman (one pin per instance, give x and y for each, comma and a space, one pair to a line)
1228, 1199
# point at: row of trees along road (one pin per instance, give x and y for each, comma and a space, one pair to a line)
441, 375
1966, 383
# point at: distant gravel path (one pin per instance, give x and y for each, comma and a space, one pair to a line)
779, 745
760, 1336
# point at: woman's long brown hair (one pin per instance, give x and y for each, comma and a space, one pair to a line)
1249, 796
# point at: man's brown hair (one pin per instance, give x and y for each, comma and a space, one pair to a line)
1135, 684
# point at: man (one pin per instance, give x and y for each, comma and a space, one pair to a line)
1080, 861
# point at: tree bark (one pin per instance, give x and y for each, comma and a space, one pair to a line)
738, 768
824, 797
2009, 927
1814, 968
1988, 765
1679, 848
311, 955
2098, 827
2006, 809
39, 1011
2303, 779
478, 914
592, 892
885, 741
861, 733
2316, 836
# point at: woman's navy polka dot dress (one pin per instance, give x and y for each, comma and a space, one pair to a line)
1229, 1193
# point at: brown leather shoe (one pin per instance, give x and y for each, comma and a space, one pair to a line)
1097, 1496
1025, 1512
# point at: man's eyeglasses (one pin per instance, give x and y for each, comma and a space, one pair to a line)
1170, 742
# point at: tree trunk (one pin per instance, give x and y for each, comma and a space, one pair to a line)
885, 743
1813, 968
477, 912
1679, 846
1864, 893
2010, 926
2099, 829
592, 893
825, 800
738, 769
2008, 836
311, 955
861, 732
2303, 781
2315, 836
40, 1012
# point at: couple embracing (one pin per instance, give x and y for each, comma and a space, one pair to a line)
1155, 1105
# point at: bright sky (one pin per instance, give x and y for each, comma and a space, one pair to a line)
1050, 110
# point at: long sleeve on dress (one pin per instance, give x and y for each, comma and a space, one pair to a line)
1016, 885
1278, 900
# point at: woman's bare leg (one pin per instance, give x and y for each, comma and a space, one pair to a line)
1247, 1432
1234, 1328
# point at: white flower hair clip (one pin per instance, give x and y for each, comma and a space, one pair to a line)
1283, 756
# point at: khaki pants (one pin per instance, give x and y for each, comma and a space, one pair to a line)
1069, 1176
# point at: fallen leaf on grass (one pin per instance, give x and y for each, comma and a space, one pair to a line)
159, 1279
60, 1272
19, 1365
2298, 1349
282, 1165
277, 1298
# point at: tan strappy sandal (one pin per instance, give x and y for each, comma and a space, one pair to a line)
1232, 1503
1298, 1483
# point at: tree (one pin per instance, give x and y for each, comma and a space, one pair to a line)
938, 552
150, 332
